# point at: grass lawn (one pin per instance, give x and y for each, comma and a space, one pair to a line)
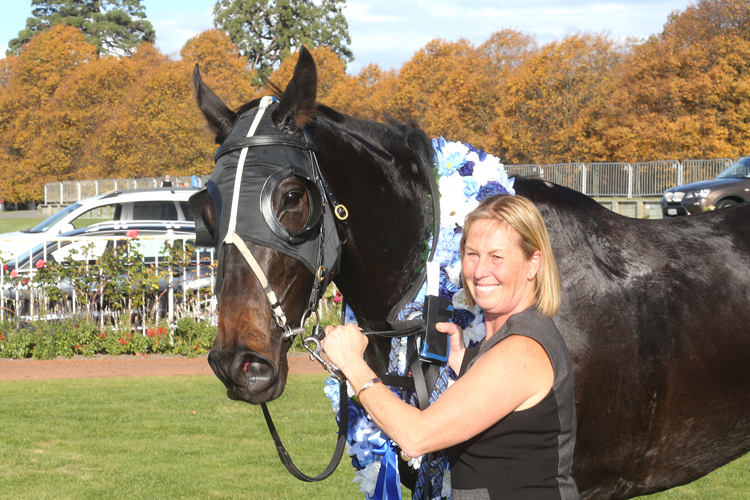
154, 438
181, 438
19, 224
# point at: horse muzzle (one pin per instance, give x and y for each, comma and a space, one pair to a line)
248, 376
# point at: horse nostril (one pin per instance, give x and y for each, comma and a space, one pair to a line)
258, 372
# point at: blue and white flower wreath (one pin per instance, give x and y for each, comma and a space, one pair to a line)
466, 177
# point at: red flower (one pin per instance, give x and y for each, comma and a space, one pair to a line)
133, 233
78, 346
337, 297
13, 273
123, 341
102, 335
196, 347
24, 282
39, 264
150, 332
158, 342
5, 267
159, 331
2, 336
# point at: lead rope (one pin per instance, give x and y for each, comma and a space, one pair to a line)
337, 453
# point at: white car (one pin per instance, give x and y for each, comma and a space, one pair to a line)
156, 204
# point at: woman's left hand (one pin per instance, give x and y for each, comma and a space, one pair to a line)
344, 344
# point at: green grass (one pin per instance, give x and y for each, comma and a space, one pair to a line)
20, 224
154, 438
731, 482
180, 437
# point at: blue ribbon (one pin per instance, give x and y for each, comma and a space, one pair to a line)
388, 486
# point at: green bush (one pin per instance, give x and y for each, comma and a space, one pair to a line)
50, 339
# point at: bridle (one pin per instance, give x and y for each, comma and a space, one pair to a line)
318, 245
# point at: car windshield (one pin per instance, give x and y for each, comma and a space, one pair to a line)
51, 221
739, 170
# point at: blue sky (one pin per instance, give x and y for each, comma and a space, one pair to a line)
389, 32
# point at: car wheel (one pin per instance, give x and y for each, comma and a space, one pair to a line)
725, 204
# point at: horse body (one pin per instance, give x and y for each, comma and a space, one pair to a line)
655, 315
653, 312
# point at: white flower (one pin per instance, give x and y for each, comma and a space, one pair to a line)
489, 170
447, 489
416, 463
475, 332
453, 203
368, 478
454, 273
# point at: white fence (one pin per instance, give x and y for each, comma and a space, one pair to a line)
184, 289
649, 178
72, 191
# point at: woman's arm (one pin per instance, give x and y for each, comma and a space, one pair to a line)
515, 373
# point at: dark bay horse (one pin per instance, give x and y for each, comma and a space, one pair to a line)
656, 314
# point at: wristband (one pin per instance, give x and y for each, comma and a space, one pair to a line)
367, 385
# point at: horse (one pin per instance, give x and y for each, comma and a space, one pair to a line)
655, 313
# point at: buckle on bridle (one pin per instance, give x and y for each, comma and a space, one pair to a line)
312, 343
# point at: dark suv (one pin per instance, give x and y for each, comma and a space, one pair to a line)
730, 187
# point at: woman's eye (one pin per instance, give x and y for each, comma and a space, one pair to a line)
292, 198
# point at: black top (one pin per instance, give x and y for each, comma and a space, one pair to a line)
527, 455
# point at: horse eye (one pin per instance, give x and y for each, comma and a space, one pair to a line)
292, 198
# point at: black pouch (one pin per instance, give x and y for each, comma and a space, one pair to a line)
436, 345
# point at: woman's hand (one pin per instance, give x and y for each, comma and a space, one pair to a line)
456, 355
344, 344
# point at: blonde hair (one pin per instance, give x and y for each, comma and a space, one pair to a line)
520, 214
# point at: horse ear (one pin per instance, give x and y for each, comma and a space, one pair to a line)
297, 106
220, 118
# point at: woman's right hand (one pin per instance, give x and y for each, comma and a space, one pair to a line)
458, 348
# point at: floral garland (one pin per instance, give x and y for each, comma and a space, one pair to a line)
466, 177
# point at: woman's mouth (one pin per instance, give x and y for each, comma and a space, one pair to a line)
486, 288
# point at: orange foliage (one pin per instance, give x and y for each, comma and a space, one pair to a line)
67, 114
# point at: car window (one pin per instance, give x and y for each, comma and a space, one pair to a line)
739, 170
51, 221
154, 210
104, 213
185, 206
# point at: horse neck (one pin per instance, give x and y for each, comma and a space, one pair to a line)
388, 204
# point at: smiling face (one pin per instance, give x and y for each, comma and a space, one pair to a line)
496, 273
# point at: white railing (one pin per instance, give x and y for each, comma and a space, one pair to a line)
66, 192
186, 290
642, 179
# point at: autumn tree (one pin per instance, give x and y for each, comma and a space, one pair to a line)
451, 88
267, 31
551, 106
222, 67
114, 26
26, 102
685, 92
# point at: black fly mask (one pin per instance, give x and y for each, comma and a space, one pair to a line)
252, 162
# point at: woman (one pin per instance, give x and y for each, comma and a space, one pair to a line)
509, 419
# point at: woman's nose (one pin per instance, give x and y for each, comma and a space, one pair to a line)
482, 267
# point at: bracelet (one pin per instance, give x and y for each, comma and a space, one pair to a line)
369, 384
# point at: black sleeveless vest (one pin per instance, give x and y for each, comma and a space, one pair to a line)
527, 455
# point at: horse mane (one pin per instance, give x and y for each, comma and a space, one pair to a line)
402, 148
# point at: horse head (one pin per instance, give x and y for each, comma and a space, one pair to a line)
281, 165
